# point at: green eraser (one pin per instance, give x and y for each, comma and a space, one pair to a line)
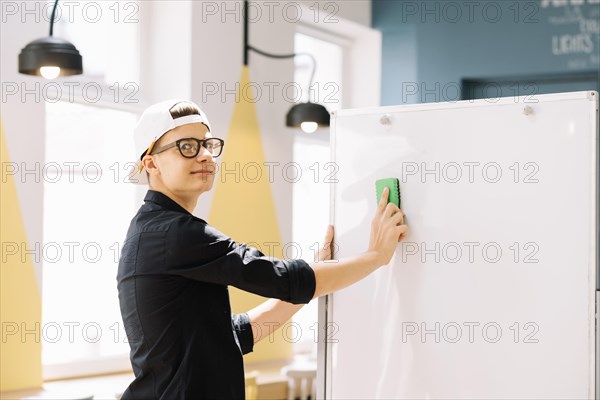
393, 185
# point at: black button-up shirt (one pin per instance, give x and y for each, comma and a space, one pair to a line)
172, 279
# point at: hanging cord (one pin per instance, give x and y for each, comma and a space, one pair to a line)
52, 18
247, 48
281, 56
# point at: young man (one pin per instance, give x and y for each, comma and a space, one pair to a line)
175, 268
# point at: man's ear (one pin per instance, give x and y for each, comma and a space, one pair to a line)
150, 165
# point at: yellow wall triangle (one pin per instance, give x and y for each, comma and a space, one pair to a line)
243, 207
20, 301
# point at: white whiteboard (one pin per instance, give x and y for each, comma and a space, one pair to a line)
521, 292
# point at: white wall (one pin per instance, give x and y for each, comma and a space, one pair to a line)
218, 60
166, 50
217, 41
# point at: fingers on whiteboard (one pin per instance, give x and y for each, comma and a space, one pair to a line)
398, 217
384, 198
403, 231
329, 233
392, 209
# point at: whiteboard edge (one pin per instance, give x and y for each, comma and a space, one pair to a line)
464, 103
326, 302
594, 391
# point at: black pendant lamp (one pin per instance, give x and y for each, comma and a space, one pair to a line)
50, 57
308, 116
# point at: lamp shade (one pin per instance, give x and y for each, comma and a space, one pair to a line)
50, 51
307, 112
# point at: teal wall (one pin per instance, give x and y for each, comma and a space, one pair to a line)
430, 46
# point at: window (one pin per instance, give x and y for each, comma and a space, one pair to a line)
87, 203
311, 153
326, 88
87, 209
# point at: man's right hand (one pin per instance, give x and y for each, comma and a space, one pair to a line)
387, 229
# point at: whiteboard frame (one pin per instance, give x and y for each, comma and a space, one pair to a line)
325, 312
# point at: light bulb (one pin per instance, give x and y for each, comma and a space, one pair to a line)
49, 72
309, 127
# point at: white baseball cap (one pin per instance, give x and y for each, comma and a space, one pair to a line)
155, 122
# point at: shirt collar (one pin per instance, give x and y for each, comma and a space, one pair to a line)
164, 201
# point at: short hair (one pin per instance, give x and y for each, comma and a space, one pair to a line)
183, 109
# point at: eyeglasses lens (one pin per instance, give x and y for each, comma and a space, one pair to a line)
190, 147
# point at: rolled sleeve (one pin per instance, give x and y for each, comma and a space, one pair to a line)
303, 285
243, 330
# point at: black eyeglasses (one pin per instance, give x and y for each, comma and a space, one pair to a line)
190, 147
